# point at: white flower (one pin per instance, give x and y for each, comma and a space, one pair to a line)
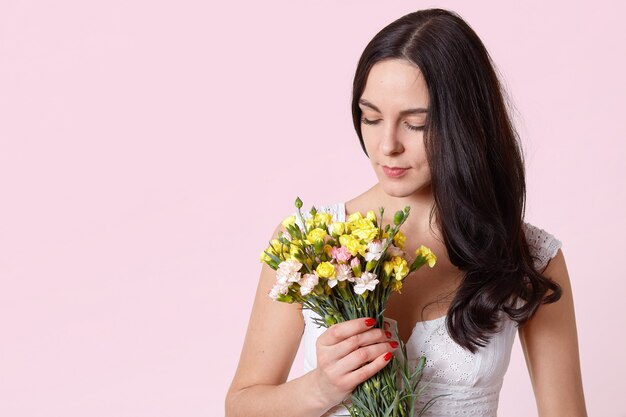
286, 235
343, 272
277, 289
288, 271
367, 281
307, 283
374, 250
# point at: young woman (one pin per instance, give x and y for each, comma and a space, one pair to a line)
431, 116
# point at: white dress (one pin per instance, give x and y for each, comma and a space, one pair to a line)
473, 380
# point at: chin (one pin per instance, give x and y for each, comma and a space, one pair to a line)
403, 188
397, 190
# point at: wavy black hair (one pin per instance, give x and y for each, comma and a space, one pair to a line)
477, 170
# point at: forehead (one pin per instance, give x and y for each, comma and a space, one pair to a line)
395, 83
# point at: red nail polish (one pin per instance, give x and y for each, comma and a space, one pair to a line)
393, 344
387, 356
388, 334
370, 322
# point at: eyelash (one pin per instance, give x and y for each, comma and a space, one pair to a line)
411, 127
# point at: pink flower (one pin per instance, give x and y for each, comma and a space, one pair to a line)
307, 283
340, 254
394, 251
278, 288
343, 272
288, 271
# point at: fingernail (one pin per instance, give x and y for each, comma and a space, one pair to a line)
387, 356
393, 344
388, 334
386, 325
370, 322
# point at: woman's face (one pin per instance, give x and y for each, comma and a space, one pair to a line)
394, 105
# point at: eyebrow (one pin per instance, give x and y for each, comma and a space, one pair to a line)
418, 110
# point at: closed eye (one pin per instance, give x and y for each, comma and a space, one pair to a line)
373, 122
368, 122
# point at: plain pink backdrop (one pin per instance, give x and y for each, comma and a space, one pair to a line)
148, 149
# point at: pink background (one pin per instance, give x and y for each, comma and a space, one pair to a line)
148, 149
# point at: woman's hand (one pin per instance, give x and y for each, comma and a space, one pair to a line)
349, 353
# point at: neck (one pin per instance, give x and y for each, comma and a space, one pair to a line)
420, 205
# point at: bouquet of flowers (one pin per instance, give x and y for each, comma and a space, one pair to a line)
348, 270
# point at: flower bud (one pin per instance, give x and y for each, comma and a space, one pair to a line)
285, 298
356, 267
398, 217
298, 202
366, 386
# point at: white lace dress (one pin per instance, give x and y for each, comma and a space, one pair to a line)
473, 380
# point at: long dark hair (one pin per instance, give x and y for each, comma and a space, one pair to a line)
477, 170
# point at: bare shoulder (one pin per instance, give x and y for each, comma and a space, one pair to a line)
549, 341
272, 338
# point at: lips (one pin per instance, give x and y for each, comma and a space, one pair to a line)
394, 172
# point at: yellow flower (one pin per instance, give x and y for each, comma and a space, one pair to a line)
289, 221
364, 229
310, 223
356, 247
339, 228
355, 216
400, 267
316, 234
371, 216
425, 252
327, 249
325, 270
388, 267
399, 239
396, 285
277, 249
294, 250
295, 242
322, 218
353, 244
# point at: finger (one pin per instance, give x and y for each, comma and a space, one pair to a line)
364, 355
340, 331
365, 372
358, 340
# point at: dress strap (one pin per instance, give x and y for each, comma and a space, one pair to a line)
543, 245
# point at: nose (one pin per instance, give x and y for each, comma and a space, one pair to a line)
390, 143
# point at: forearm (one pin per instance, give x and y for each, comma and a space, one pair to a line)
297, 397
